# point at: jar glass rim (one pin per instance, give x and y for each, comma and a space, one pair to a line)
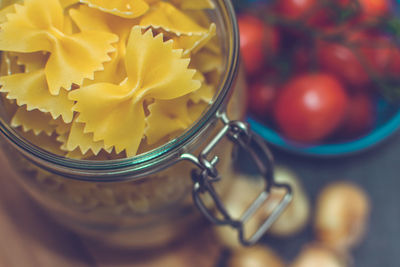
146, 159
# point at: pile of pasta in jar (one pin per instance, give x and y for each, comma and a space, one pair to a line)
95, 79
95, 82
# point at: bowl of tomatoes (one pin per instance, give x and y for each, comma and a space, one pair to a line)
323, 76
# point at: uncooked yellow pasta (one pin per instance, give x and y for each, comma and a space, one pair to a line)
122, 8
104, 78
155, 71
166, 16
35, 121
194, 4
164, 120
38, 25
77, 138
193, 43
31, 89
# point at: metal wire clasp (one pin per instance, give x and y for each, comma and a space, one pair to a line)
207, 174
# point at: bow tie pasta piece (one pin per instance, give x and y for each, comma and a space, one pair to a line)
114, 70
7, 6
200, 16
61, 129
213, 46
192, 44
32, 25
115, 113
77, 154
194, 4
87, 53
196, 110
63, 139
31, 89
35, 121
167, 17
75, 139
102, 155
207, 61
38, 25
121, 8
45, 142
166, 118
75, 142
91, 19
110, 115
170, 117
205, 93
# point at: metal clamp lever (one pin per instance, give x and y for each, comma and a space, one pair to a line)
207, 174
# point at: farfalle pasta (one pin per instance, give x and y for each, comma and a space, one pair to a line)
167, 17
102, 79
121, 8
194, 4
35, 121
38, 25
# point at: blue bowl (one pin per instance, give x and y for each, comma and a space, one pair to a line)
388, 122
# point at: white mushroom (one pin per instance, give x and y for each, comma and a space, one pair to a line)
319, 256
245, 190
341, 215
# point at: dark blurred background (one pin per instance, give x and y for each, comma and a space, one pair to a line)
376, 170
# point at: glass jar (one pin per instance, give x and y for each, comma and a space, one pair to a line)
146, 201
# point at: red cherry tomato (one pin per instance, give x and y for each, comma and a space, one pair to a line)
295, 9
371, 8
258, 41
340, 60
378, 58
314, 13
310, 107
369, 54
374, 7
360, 117
383, 57
261, 99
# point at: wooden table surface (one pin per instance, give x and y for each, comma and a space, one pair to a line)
30, 239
